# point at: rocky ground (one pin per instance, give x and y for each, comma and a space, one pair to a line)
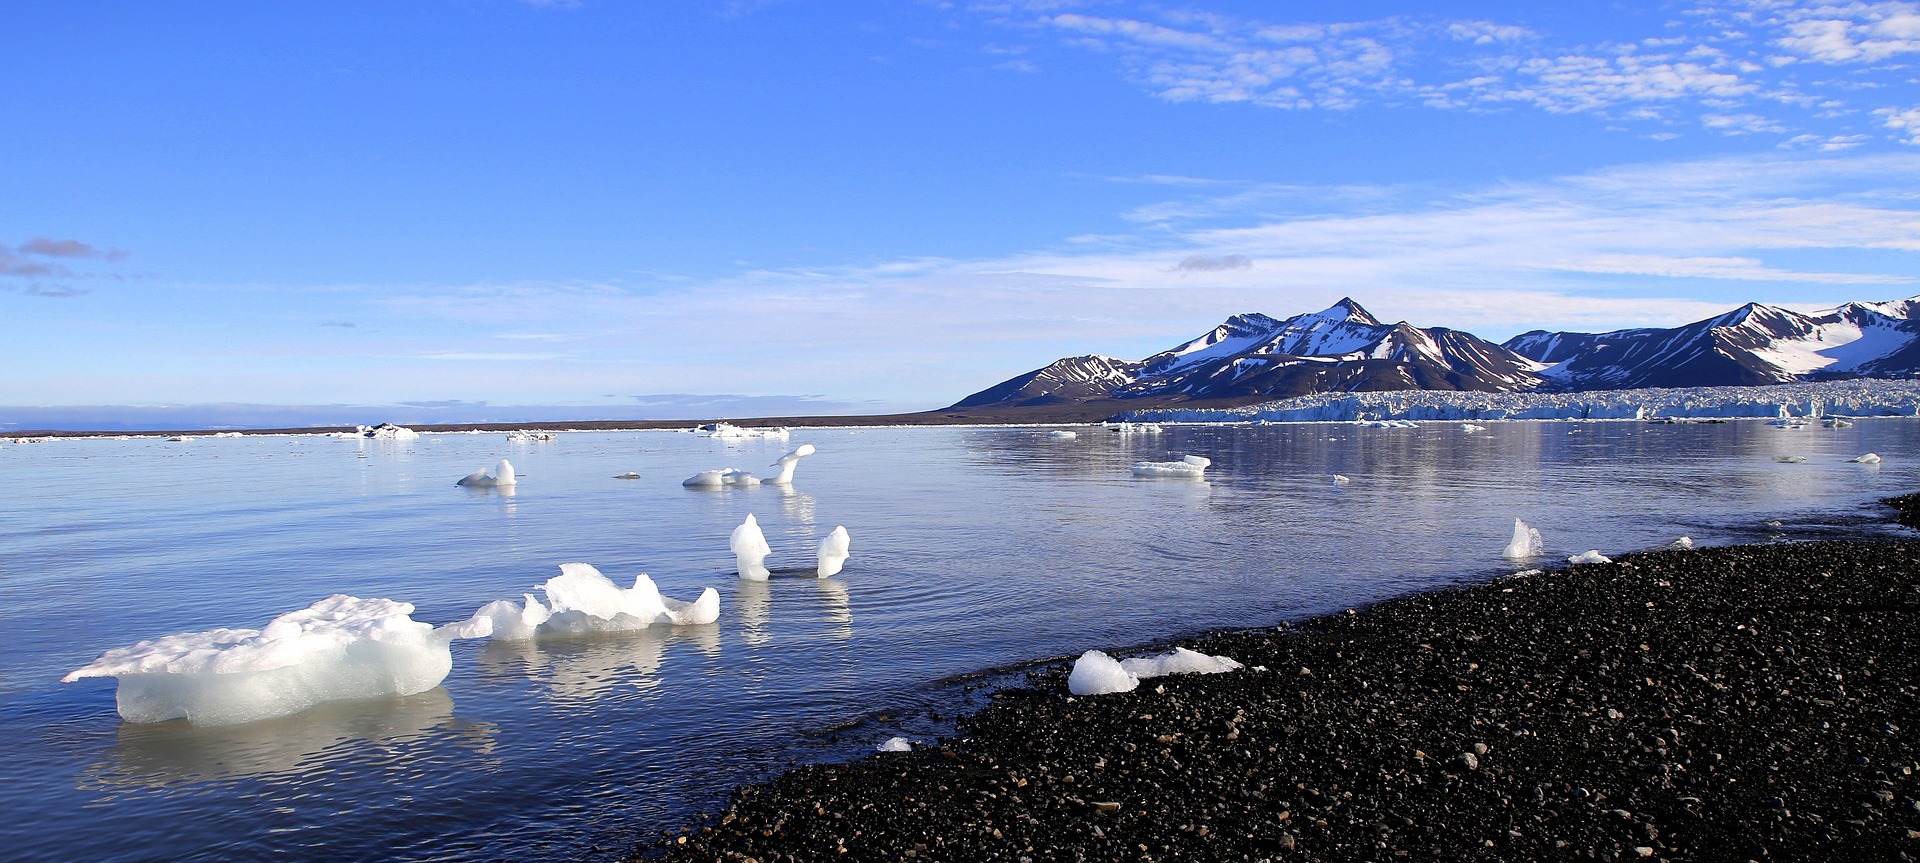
1739, 703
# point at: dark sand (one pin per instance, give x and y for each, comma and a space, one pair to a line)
1737, 703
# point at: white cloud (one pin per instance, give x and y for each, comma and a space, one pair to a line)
1905, 122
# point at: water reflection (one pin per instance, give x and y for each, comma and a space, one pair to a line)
171, 753
580, 668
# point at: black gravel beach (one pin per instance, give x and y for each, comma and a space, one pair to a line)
1738, 703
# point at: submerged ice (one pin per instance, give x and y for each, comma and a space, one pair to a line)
581, 600
1188, 466
339, 648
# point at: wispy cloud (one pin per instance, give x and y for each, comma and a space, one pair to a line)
43, 258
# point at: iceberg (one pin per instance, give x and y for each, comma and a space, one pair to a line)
833, 552
502, 475
1096, 673
721, 478
1869, 458
388, 431
788, 462
1593, 556
581, 600
337, 649
1524, 544
750, 550
1191, 466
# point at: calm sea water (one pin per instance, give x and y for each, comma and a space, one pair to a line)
973, 548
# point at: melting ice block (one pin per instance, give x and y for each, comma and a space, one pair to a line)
1096, 673
833, 552
721, 478
1188, 466
1062, 434
581, 600
1180, 661
337, 649
501, 475
788, 462
750, 549
1524, 544
1591, 556
1869, 458
896, 744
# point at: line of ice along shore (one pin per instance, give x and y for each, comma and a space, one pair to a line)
1851, 398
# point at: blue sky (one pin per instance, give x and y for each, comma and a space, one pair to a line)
702, 208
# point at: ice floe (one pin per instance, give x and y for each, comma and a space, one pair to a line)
1590, 556
788, 462
832, 555
339, 648
530, 436
501, 475
1340, 480
729, 431
721, 478
1789, 459
1470, 427
388, 431
1524, 544
1188, 466
1096, 673
1062, 434
750, 550
632, 474
581, 600
1869, 458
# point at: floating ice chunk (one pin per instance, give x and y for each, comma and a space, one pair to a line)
388, 431
1135, 428
1524, 544
581, 600
1340, 480
833, 552
1180, 661
1789, 459
1684, 543
720, 478
1096, 673
632, 474
1470, 428
729, 431
1188, 466
1062, 434
1869, 458
1592, 556
339, 648
530, 436
788, 462
896, 744
750, 550
502, 475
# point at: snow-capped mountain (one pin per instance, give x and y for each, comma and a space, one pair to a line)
1253, 356
1752, 345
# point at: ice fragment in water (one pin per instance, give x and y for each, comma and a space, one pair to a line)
1591, 556
1525, 543
896, 744
833, 552
1188, 466
1470, 427
787, 463
339, 648
502, 475
1683, 543
1062, 434
1096, 673
1340, 480
719, 478
1790, 459
750, 549
1869, 458
581, 600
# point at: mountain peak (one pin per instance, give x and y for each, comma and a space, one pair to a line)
1348, 310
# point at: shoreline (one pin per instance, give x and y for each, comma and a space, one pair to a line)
1742, 702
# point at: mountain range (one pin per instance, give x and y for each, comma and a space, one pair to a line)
1253, 357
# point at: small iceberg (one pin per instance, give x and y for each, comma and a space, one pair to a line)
721, 478
530, 436
340, 648
501, 475
1524, 544
896, 744
1789, 459
632, 474
729, 431
1869, 458
1684, 543
788, 462
1591, 556
1134, 428
1096, 673
388, 431
581, 600
1340, 480
1470, 428
833, 552
750, 550
1192, 466
1062, 434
